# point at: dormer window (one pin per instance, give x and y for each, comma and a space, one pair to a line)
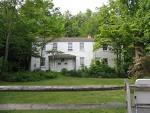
54, 46
70, 46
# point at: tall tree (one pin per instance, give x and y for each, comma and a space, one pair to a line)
124, 25
8, 14
20, 27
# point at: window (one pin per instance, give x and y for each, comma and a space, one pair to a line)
59, 63
62, 60
54, 46
82, 61
65, 63
44, 47
42, 61
69, 46
105, 47
81, 45
105, 61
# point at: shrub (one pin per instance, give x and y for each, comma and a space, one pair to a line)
64, 71
27, 76
98, 69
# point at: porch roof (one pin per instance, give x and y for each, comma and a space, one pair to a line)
59, 56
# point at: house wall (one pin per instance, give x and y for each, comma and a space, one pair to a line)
35, 63
101, 54
87, 53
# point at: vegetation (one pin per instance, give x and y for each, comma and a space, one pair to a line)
67, 97
96, 70
71, 111
21, 23
27, 76
122, 24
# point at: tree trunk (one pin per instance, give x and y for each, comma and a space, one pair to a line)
136, 69
7, 47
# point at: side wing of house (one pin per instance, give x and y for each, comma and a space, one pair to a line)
105, 55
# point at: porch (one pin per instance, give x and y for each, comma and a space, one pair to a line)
62, 61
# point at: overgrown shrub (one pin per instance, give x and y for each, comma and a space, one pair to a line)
97, 69
27, 76
76, 73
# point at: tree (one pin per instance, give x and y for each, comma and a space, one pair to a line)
48, 20
20, 27
124, 25
81, 25
8, 14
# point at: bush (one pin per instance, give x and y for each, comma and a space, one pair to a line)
73, 73
98, 69
27, 76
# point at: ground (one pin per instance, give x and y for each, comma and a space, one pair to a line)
94, 97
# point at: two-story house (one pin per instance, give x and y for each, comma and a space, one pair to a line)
71, 54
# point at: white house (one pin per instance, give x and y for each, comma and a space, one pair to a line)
71, 54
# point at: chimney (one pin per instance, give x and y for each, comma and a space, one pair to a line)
89, 36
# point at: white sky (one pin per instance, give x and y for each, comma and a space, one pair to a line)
75, 6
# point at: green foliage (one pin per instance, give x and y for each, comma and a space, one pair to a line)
21, 23
27, 76
123, 24
82, 24
97, 69
1, 61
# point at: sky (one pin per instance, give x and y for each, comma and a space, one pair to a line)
75, 6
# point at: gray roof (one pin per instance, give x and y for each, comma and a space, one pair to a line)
73, 39
67, 39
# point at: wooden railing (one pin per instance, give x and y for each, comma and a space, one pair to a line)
58, 89
127, 87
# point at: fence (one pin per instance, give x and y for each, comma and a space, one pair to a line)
67, 89
58, 89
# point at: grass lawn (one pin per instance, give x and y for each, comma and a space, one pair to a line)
66, 97
71, 111
72, 81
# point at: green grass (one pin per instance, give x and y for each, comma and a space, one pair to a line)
62, 97
66, 97
71, 111
72, 81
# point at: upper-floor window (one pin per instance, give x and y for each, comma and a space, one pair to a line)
82, 61
54, 46
44, 47
105, 47
70, 46
42, 61
81, 45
